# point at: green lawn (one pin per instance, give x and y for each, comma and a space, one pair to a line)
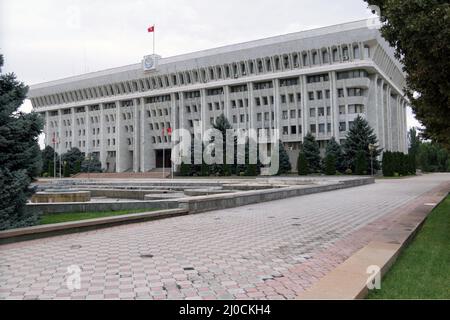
50, 218
423, 269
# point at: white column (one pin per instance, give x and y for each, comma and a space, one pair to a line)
142, 136
48, 139
102, 137
334, 106
226, 91
72, 112
276, 93
88, 131
118, 140
136, 136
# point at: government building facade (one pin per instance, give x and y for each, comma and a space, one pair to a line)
314, 81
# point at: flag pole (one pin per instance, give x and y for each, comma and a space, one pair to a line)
154, 31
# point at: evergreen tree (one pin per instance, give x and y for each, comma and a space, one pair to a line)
222, 124
89, 164
335, 149
74, 157
48, 155
330, 164
20, 157
312, 153
302, 164
185, 169
361, 163
358, 139
387, 164
66, 170
51, 169
284, 163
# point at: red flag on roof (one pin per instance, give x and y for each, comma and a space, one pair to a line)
151, 28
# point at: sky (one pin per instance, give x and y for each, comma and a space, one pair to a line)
47, 39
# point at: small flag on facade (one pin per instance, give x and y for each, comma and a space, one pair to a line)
151, 28
169, 131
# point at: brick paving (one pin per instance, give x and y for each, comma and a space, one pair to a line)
272, 250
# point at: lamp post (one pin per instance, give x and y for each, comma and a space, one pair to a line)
371, 150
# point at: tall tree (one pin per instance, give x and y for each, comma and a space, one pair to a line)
283, 158
311, 150
359, 137
335, 149
20, 157
419, 30
74, 157
48, 158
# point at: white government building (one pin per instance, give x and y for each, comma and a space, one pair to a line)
311, 81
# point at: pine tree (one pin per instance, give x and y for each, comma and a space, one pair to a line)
48, 155
359, 137
284, 163
89, 164
388, 171
20, 157
185, 169
361, 163
66, 170
302, 164
312, 153
330, 164
222, 124
74, 157
335, 149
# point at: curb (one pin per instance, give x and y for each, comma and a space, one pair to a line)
348, 281
50, 230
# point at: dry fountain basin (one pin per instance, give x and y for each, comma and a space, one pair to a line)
61, 195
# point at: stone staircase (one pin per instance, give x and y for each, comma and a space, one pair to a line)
153, 174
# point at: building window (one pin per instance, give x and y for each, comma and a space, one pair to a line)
312, 112
342, 126
285, 130
293, 129
312, 128
340, 93
311, 95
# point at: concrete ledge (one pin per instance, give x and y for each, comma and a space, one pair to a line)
237, 199
349, 279
99, 206
36, 232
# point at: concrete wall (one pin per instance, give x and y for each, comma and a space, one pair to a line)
42, 208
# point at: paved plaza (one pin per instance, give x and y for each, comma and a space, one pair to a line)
272, 250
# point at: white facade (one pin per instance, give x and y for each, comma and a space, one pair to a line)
312, 81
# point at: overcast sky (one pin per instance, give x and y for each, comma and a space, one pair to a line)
48, 39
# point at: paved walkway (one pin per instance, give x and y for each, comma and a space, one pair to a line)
271, 250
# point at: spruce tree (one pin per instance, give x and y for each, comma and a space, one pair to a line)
302, 164
20, 157
284, 163
358, 139
48, 155
312, 153
361, 163
335, 149
330, 164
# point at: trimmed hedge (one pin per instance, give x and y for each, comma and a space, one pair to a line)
398, 164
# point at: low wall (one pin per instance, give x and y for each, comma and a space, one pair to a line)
217, 202
42, 208
124, 194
